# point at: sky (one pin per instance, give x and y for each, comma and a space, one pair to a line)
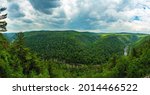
84, 15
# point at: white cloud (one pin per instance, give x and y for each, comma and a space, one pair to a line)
104, 15
3, 3
70, 8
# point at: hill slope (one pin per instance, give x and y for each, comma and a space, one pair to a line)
88, 55
77, 47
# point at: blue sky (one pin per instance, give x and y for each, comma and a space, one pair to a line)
83, 15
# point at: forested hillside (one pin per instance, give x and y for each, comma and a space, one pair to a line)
77, 47
18, 61
74, 54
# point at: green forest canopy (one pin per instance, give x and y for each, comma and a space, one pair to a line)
74, 54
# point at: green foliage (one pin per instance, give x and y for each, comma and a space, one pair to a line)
77, 48
73, 54
18, 61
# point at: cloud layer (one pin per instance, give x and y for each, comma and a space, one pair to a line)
92, 15
45, 6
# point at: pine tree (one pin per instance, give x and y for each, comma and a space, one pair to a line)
133, 52
3, 23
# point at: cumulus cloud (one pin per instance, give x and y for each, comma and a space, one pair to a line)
45, 6
14, 11
3, 3
111, 15
99, 15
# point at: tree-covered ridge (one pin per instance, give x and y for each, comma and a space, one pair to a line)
77, 47
74, 54
140, 54
142, 46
